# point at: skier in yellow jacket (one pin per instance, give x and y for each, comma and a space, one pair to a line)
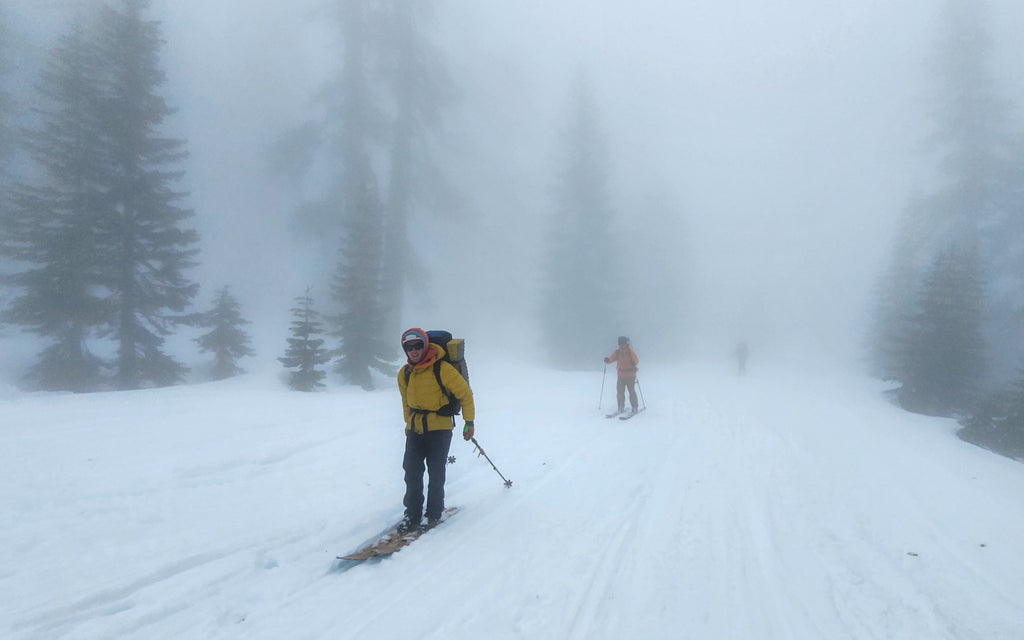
625, 365
429, 422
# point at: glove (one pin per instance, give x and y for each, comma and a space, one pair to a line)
607, 360
467, 431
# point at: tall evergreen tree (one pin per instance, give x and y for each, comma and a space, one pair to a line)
944, 357
356, 287
978, 198
52, 227
578, 313
146, 227
419, 88
897, 292
349, 128
386, 104
980, 195
226, 339
306, 351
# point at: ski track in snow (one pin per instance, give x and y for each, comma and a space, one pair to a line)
775, 507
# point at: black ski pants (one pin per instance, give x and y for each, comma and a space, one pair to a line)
430, 448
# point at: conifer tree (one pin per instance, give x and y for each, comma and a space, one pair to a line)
357, 287
977, 199
419, 88
944, 357
306, 351
226, 338
145, 227
979, 195
386, 104
578, 314
897, 292
350, 128
53, 227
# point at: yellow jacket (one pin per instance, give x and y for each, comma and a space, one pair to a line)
422, 397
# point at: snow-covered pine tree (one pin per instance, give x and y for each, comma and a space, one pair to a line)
944, 357
150, 245
306, 350
226, 338
579, 310
52, 226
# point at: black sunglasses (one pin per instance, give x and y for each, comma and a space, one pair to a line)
413, 345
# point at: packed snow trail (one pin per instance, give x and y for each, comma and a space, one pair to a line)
781, 505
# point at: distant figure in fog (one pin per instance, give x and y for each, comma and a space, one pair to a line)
741, 357
625, 360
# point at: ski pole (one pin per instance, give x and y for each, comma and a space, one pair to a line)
508, 483
601, 399
644, 402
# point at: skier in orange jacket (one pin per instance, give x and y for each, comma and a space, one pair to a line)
625, 360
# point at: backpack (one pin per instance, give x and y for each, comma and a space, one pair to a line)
455, 354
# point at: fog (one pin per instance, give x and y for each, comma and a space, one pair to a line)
760, 154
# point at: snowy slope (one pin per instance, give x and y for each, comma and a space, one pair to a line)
781, 505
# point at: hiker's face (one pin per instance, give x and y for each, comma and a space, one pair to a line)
415, 352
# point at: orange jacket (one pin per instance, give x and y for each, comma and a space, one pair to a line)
625, 361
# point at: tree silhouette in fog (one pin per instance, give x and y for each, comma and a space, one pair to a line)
53, 227
418, 90
306, 351
103, 233
145, 224
356, 288
226, 338
944, 352
977, 200
580, 292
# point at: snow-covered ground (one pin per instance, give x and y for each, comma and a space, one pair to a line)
781, 505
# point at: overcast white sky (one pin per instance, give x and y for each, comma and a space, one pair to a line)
785, 135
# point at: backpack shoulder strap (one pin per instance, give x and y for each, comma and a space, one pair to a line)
437, 374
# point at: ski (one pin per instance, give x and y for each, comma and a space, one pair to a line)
630, 415
391, 541
612, 415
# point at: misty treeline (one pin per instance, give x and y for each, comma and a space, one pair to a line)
375, 141
98, 241
949, 326
97, 221
100, 238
